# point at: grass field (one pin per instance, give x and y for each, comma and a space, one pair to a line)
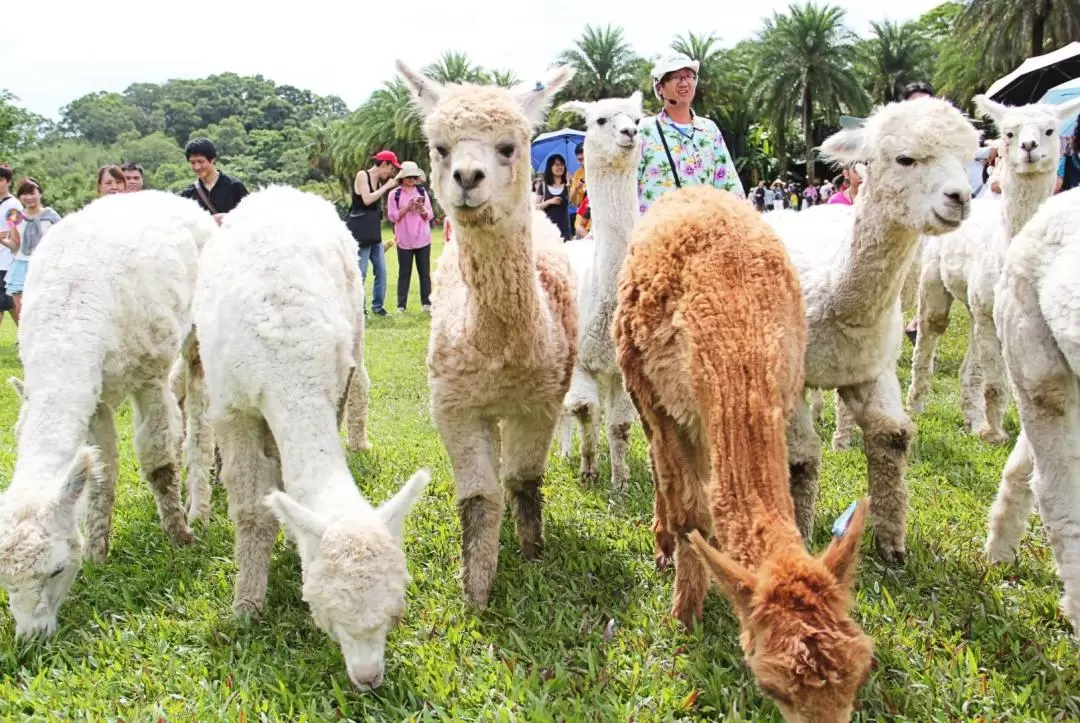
582, 635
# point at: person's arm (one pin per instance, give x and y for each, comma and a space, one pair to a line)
393, 209
726, 176
427, 212
1060, 180
540, 202
371, 197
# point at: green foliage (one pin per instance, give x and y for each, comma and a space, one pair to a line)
583, 634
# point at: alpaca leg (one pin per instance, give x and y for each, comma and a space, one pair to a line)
564, 434
804, 465
845, 422
971, 385
102, 497
248, 474
198, 439
663, 538
526, 441
933, 315
817, 403
992, 365
887, 434
357, 392
157, 442
473, 447
1012, 506
583, 401
619, 414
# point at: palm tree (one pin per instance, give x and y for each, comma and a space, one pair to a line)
606, 65
387, 120
455, 67
807, 61
897, 54
707, 52
1001, 26
503, 78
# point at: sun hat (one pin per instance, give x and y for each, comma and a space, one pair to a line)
387, 156
669, 64
411, 170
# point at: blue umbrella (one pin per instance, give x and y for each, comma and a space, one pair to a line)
1060, 94
563, 142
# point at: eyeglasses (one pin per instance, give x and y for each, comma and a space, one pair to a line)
688, 76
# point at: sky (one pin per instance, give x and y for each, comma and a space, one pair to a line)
345, 48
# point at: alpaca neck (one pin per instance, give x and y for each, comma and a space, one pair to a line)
497, 267
614, 203
1021, 196
874, 268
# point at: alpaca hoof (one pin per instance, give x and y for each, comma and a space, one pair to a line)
890, 553
97, 552
246, 609
181, 536
689, 616
841, 444
662, 562
915, 405
589, 473
993, 436
359, 445
997, 553
532, 549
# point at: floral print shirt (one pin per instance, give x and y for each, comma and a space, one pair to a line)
700, 154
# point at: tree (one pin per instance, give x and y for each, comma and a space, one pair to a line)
897, 54
98, 117
605, 64
1003, 26
807, 62
455, 67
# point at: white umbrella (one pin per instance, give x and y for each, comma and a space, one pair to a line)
1037, 75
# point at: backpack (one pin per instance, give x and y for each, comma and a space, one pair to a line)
397, 194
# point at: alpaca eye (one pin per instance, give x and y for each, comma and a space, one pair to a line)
57, 572
506, 150
1009, 135
441, 150
906, 161
1049, 131
601, 121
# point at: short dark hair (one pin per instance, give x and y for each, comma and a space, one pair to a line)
27, 185
200, 147
6, 174
919, 86
579, 149
132, 167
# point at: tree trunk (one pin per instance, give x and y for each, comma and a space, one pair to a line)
781, 148
808, 130
1038, 27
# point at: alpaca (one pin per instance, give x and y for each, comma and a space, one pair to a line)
613, 152
93, 335
1037, 313
504, 323
710, 332
966, 264
280, 344
852, 264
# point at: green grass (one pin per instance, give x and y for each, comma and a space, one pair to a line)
583, 634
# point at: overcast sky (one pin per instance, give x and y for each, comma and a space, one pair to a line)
343, 48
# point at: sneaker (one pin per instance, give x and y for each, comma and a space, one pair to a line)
379, 312
426, 308
401, 310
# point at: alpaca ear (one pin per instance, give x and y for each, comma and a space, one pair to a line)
989, 108
396, 509
845, 147
85, 468
303, 525
737, 582
1068, 110
636, 99
575, 106
425, 91
842, 554
17, 385
534, 101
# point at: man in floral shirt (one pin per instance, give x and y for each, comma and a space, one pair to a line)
694, 143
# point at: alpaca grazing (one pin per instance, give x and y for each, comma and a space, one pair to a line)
852, 264
503, 324
710, 332
91, 336
1037, 313
280, 344
613, 152
966, 263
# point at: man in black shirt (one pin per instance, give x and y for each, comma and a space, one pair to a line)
217, 192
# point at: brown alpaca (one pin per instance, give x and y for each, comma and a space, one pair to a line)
710, 332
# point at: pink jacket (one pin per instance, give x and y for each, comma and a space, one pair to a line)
412, 230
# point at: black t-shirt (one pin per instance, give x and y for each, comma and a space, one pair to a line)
225, 195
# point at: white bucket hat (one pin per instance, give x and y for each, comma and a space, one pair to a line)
669, 64
409, 169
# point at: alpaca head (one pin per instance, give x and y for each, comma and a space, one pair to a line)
805, 651
479, 140
611, 139
41, 547
354, 574
916, 155
1029, 142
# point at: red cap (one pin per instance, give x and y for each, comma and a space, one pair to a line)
387, 156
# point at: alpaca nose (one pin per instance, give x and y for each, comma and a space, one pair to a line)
1029, 146
630, 132
960, 197
468, 178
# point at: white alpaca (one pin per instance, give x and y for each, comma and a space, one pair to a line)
279, 313
1037, 311
966, 264
613, 151
504, 323
107, 306
852, 263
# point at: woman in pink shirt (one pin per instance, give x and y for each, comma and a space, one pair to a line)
409, 209
847, 196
